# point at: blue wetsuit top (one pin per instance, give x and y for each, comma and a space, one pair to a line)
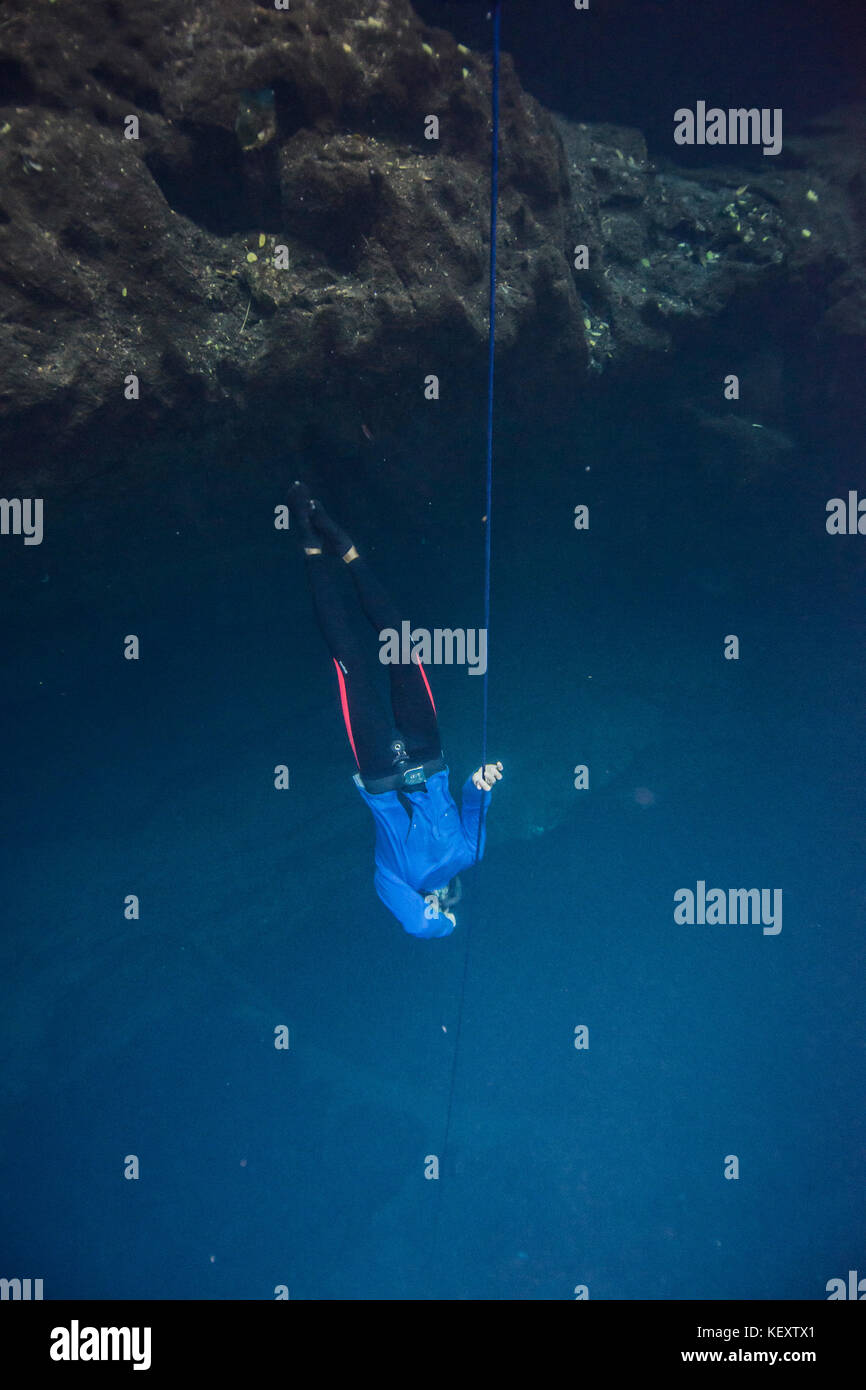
416, 856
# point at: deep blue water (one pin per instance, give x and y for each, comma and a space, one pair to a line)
601, 1166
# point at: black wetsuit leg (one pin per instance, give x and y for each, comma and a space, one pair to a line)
411, 701
370, 729
366, 716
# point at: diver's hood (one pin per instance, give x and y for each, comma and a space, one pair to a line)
450, 895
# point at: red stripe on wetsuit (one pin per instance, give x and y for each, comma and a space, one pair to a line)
344, 701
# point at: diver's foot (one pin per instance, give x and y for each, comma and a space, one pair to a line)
338, 542
301, 508
300, 501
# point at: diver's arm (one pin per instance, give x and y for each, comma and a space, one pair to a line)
409, 907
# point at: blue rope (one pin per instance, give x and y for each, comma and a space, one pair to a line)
494, 198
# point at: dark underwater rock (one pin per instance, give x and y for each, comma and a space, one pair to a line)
156, 256
161, 256
676, 250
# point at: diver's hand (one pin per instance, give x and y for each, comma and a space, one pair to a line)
484, 778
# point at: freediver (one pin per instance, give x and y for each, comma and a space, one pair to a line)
422, 841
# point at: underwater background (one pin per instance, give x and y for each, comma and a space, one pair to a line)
601, 1166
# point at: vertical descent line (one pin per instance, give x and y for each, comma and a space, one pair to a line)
494, 199
491, 342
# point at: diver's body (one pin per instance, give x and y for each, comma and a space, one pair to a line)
401, 769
